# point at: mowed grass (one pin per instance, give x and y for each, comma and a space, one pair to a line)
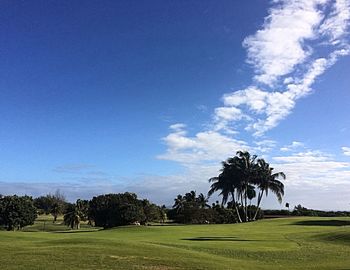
288, 243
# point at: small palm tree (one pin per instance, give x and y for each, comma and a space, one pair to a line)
72, 219
179, 203
202, 201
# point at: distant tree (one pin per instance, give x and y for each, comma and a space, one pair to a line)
72, 217
152, 212
17, 212
112, 210
191, 209
53, 204
179, 203
287, 206
44, 204
58, 205
202, 201
163, 213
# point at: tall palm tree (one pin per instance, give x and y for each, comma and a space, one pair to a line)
267, 181
228, 183
247, 167
251, 194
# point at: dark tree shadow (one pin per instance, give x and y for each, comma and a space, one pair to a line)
216, 238
333, 222
77, 231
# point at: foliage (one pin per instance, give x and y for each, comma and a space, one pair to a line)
112, 210
193, 209
299, 210
239, 179
17, 212
53, 204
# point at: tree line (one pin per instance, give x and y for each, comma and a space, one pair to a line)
242, 183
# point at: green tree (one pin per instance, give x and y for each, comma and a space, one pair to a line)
112, 210
267, 181
72, 217
17, 212
239, 177
228, 183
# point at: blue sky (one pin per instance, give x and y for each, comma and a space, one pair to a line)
109, 96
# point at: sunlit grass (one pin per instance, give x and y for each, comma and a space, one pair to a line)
293, 243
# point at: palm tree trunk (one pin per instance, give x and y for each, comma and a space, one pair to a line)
245, 202
237, 211
258, 205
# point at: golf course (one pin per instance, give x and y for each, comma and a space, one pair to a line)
281, 243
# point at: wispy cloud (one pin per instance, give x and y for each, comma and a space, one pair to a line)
346, 150
292, 147
73, 168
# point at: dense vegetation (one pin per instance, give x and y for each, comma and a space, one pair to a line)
17, 212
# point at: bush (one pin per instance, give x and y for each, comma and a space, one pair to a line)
122, 209
17, 212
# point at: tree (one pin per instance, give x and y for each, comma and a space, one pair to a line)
73, 216
228, 183
75, 213
287, 206
251, 194
267, 181
239, 177
191, 208
152, 212
17, 212
202, 201
179, 204
112, 210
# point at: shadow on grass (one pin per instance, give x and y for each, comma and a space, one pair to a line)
77, 231
217, 238
333, 222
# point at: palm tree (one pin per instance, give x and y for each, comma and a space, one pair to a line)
179, 204
247, 167
228, 183
251, 194
72, 219
202, 201
267, 180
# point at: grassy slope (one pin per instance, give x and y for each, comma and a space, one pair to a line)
295, 243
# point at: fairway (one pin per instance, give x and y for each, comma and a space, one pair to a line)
289, 243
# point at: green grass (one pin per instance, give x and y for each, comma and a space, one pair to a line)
290, 243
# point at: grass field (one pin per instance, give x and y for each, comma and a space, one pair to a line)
290, 243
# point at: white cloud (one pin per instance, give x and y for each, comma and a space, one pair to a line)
284, 46
264, 146
346, 150
311, 175
291, 147
336, 24
204, 146
278, 47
